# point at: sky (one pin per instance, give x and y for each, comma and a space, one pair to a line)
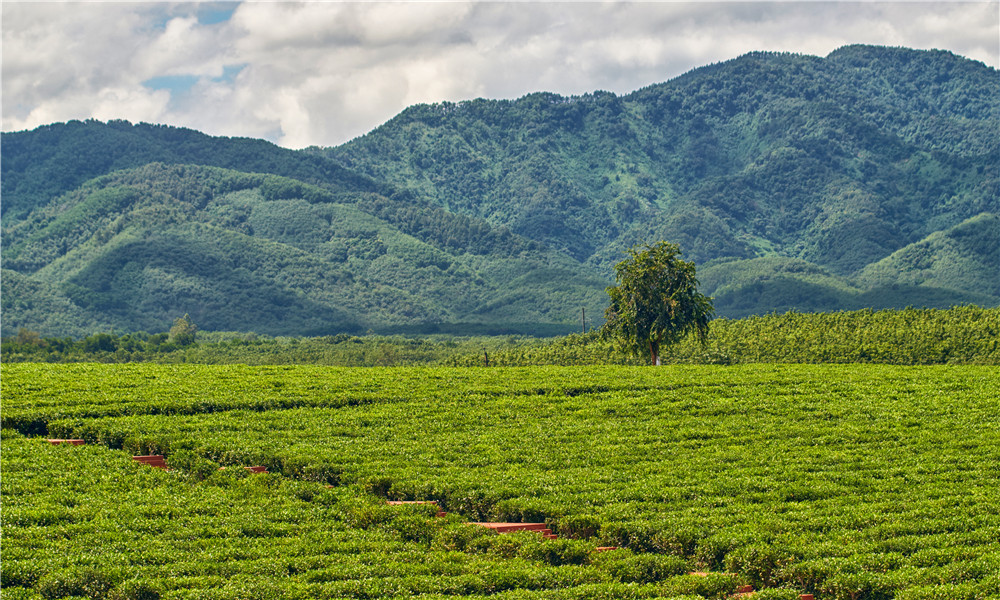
322, 73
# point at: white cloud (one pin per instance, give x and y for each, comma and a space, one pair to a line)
182, 48
322, 73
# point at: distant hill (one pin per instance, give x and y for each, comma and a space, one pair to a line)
870, 177
264, 253
962, 258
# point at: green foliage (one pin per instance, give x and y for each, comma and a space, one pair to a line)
38, 306
839, 161
960, 335
136, 590
26, 337
777, 594
656, 302
76, 581
579, 526
641, 568
210, 243
183, 330
761, 563
234, 348
41, 165
963, 258
192, 464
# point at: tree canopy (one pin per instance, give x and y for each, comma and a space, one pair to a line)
656, 302
182, 333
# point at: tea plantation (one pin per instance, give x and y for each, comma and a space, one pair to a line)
843, 481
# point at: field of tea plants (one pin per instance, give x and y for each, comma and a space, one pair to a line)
844, 481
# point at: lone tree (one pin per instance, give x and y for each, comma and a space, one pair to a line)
182, 333
655, 303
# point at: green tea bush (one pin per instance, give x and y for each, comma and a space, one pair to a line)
713, 550
713, 586
414, 528
759, 562
20, 593
578, 526
948, 591
555, 552
776, 594
835, 480
364, 513
19, 574
88, 582
459, 536
310, 470
638, 536
640, 568
521, 510
856, 586
193, 464
134, 589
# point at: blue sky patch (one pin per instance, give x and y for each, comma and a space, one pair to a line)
229, 73
212, 13
175, 84
182, 84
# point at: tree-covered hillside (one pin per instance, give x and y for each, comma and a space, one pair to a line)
133, 249
868, 178
40, 165
837, 161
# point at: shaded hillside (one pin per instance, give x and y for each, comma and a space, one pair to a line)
38, 306
868, 178
965, 257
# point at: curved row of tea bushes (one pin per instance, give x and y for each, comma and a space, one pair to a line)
86, 521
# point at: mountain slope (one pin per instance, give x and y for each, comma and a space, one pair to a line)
253, 252
40, 165
964, 258
838, 161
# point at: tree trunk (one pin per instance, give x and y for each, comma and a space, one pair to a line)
654, 353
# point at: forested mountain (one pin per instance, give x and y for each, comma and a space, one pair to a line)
258, 252
870, 177
839, 160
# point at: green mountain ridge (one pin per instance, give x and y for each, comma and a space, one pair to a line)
767, 153
237, 251
868, 178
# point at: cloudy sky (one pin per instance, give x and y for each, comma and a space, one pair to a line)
321, 73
